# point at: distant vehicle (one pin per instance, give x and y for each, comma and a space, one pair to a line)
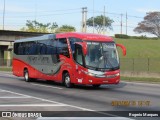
69, 58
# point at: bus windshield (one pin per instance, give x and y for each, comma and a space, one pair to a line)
102, 55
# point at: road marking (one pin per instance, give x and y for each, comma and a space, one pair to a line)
31, 105
81, 108
59, 103
144, 84
14, 97
5, 74
31, 97
46, 86
2, 90
33, 83
15, 93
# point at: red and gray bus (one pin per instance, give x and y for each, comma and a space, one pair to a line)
69, 58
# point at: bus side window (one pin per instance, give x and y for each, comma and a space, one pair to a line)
62, 47
79, 55
38, 48
51, 47
22, 49
16, 48
43, 49
72, 43
32, 48
26, 50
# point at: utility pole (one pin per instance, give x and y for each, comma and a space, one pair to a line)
84, 19
126, 23
35, 10
4, 13
121, 23
93, 16
104, 21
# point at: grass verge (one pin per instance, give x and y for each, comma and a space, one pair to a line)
140, 79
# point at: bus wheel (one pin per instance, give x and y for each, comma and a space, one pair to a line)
26, 76
67, 80
96, 86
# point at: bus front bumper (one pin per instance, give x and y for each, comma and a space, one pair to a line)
94, 80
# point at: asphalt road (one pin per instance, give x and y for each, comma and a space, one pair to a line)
40, 95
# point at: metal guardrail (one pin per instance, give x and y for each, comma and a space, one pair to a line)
140, 64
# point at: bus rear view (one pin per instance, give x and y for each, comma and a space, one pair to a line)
86, 59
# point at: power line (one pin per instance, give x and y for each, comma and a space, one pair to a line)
51, 11
118, 14
72, 11
37, 12
41, 15
135, 16
123, 26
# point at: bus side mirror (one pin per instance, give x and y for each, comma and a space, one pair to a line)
123, 48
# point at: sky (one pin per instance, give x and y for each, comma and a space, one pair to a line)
69, 12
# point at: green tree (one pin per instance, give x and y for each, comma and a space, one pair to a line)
65, 28
53, 27
34, 26
150, 24
98, 23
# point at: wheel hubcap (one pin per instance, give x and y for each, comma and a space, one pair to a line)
67, 80
26, 76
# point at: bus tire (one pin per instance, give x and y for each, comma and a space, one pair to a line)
67, 80
26, 76
96, 86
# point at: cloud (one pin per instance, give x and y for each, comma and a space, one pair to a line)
145, 10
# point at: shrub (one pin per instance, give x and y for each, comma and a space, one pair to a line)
121, 36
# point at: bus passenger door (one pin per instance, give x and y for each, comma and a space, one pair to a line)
79, 71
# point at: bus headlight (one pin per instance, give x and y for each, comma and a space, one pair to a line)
112, 76
96, 75
100, 74
91, 74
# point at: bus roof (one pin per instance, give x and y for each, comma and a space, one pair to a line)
44, 37
83, 36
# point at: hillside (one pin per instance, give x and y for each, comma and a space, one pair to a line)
140, 48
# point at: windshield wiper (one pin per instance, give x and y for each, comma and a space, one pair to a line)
108, 61
112, 67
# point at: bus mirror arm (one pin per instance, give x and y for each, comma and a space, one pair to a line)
123, 48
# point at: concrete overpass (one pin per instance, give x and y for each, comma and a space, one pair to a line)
7, 38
